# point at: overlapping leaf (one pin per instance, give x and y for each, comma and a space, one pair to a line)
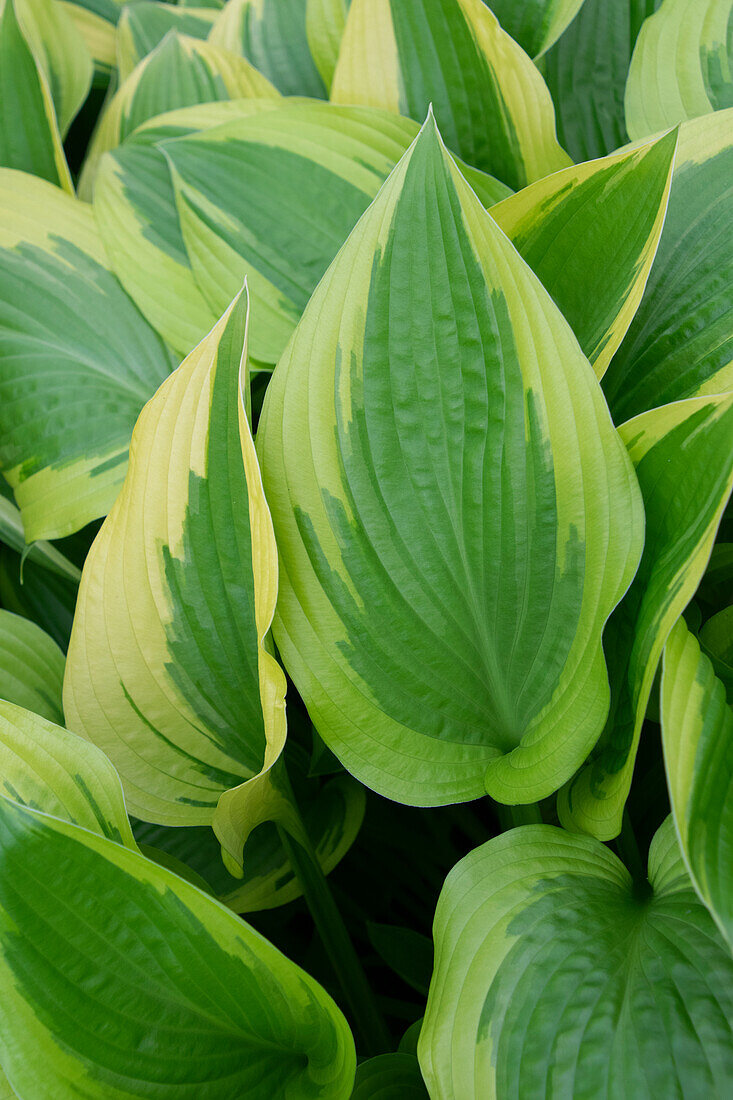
697, 734
680, 342
273, 35
684, 463
557, 975
716, 638
31, 667
77, 360
167, 670
682, 65
186, 220
591, 234
143, 26
490, 101
93, 933
535, 24
389, 1077
452, 533
96, 21
324, 26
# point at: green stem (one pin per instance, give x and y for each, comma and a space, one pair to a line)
357, 993
512, 816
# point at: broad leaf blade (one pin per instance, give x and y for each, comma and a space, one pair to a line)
200, 1002
697, 734
410, 440
680, 342
591, 233
194, 705
547, 961
77, 361
143, 26
535, 24
490, 101
389, 1077
31, 667
324, 25
684, 463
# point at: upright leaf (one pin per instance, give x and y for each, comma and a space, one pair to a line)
272, 34
77, 361
179, 72
61, 53
42, 552
38, 594
167, 670
680, 342
324, 26
697, 734
591, 234
681, 66
684, 463
490, 101
389, 1077
29, 132
716, 638
121, 980
556, 975
31, 667
452, 534
535, 24
586, 72
143, 26
96, 21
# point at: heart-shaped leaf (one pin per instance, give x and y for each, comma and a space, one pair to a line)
423, 459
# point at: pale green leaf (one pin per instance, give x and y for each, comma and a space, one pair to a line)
452, 532
62, 54
684, 463
490, 101
557, 976
143, 26
324, 25
42, 552
31, 667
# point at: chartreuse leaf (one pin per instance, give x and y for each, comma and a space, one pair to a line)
324, 26
122, 980
96, 21
591, 233
31, 667
682, 65
389, 1077
135, 207
697, 735
29, 131
716, 638
62, 54
193, 705
681, 341
586, 72
272, 35
423, 459
684, 464
179, 72
42, 552
142, 26
332, 820
535, 24
556, 976
77, 361
55, 772
490, 101
246, 199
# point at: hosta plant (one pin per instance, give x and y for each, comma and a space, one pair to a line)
366, 549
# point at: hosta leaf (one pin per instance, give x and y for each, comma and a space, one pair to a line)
535, 24
489, 99
143, 26
29, 132
122, 980
716, 638
681, 66
193, 705
250, 202
681, 341
62, 54
51, 770
332, 819
135, 207
586, 72
555, 976
697, 734
36, 593
96, 21
718, 580
42, 552
77, 361
272, 35
575, 231
31, 667
324, 24
422, 459
684, 463
389, 1077
179, 72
